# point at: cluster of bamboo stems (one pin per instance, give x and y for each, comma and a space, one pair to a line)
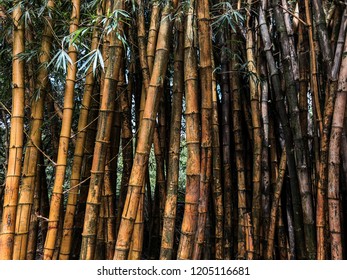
263, 99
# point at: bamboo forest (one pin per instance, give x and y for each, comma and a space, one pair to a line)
173, 130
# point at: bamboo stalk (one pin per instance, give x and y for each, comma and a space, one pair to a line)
190, 216
7, 230
275, 204
334, 163
324, 146
257, 137
105, 120
31, 157
79, 151
205, 49
216, 184
300, 155
174, 148
64, 139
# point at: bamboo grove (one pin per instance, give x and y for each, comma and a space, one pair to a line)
173, 129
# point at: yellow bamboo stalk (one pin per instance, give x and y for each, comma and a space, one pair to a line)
16, 137
64, 139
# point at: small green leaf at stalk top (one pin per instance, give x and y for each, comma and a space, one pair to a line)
76, 35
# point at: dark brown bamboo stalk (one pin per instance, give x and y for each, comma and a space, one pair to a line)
239, 154
265, 161
274, 207
216, 184
334, 163
226, 149
108, 197
300, 154
100, 232
34, 220
282, 235
160, 175
257, 137
289, 143
127, 150
324, 146
290, 31
110, 178
85, 174
226, 90
322, 32
304, 72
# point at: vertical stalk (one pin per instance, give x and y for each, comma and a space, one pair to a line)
239, 155
190, 215
257, 136
34, 220
174, 147
85, 174
265, 162
32, 154
249, 236
300, 155
205, 49
7, 230
334, 163
275, 205
216, 187
127, 150
105, 121
313, 66
324, 145
64, 138
135, 252
79, 152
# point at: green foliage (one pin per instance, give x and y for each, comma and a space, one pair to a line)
226, 14
61, 60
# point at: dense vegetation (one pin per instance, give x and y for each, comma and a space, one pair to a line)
173, 129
